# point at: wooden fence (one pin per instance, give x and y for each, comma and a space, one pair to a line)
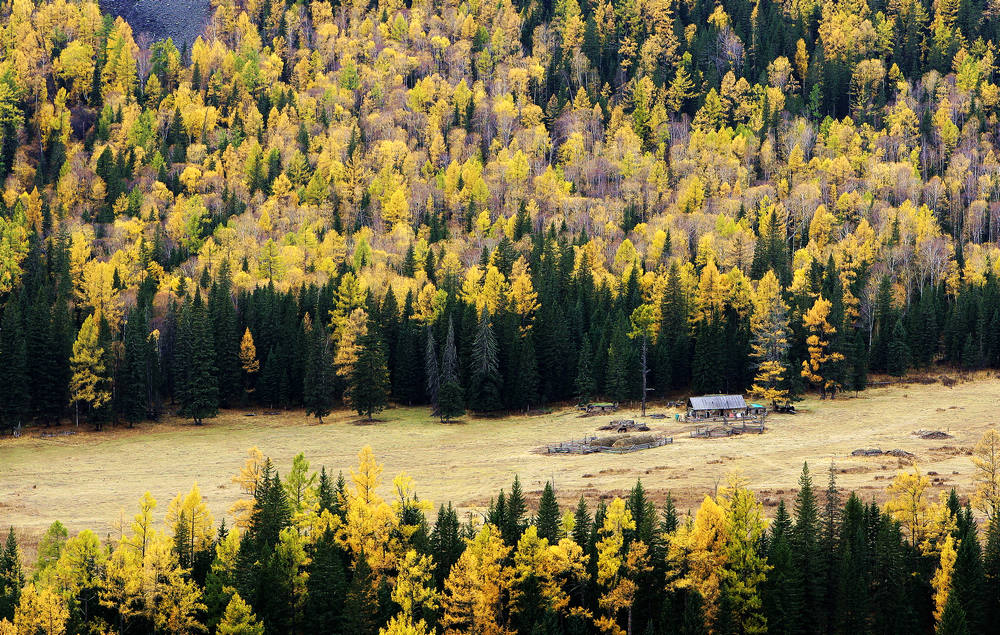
586, 446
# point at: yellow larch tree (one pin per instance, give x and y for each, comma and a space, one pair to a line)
40, 612
89, 384
941, 582
370, 526
248, 479
697, 558
188, 516
769, 347
478, 587
818, 344
415, 594
986, 458
617, 567
248, 360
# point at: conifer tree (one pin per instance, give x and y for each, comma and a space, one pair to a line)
90, 384
807, 559
11, 577
584, 383
486, 383
14, 399
451, 401
431, 370
133, 384
548, 518
898, 353
326, 586
248, 362
769, 326
197, 387
446, 543
225, 337
514, 510
317, 389
369, 382
239, 619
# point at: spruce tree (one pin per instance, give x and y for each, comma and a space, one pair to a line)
431, 370
898, 352
11, 577
451, 402
807, 558
326, 586
513, 524
361, 604
953, 619
991, 573
197, 386
225, 337
369, 381
548, 519
133, 384
317, 380
525, 379
446, 543
14, 398
584, 382
486, 383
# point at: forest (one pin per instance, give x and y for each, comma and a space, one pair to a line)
313, 553
488, 207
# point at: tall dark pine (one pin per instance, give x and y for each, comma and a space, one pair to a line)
369, 385
194, 361
133, 389
547, 520
11, 577
807, 557
431, 370
451, 401
14, 398
317, 388
486, 384
584, 384
226, 339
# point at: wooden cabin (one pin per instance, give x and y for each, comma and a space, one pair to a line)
722, 407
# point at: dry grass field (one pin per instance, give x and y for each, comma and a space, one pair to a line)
84, 479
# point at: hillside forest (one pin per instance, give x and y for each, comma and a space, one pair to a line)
313, 553
489, 206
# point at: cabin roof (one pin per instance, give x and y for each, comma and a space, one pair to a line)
718, 402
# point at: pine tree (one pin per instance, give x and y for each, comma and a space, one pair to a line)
548, 518
991, 573
225, 337
11, 577
361, 604
317, 389
898, 353
446, 542
513, 524
133, 384
326, 586
369, 381
807, 559
431, 371
197, 387
487, 383
584, 383
14, 398
953, 620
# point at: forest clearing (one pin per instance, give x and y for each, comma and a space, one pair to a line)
83, 479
